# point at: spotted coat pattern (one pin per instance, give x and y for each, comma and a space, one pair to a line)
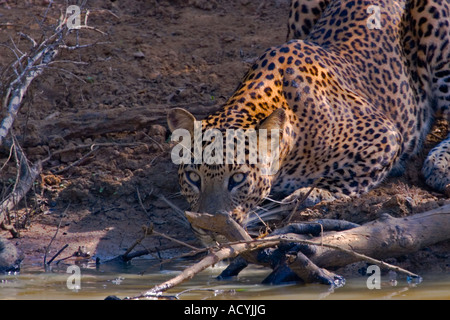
352, 103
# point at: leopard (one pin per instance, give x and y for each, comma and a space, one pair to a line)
353, 93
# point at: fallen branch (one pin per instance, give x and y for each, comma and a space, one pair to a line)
353, 256
147, 231
385, 237
225, 225
228, 251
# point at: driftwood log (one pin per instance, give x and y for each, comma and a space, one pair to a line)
386, 237
379, 239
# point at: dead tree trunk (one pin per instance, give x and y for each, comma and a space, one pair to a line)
386, 237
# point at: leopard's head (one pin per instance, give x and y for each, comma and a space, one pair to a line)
225, 170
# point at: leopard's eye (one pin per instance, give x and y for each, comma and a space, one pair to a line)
193, 178
236, 179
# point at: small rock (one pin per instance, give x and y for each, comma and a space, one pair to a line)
10, 258
139, 55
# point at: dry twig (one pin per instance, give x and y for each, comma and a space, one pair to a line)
47, 249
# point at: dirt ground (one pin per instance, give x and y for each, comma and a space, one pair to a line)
150, 56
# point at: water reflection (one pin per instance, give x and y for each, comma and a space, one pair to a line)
123, 281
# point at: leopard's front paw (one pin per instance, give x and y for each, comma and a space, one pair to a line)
436, 168
307, 197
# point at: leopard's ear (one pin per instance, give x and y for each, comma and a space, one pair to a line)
275, 120
179, 118
270, 160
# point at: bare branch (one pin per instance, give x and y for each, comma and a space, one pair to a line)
38, 59
17, 93
210, 260
26, 36
27, 67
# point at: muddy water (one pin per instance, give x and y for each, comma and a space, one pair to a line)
98, 283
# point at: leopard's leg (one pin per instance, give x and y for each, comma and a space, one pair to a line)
427, 38
303, 15
436, 168
355, 168
308, 197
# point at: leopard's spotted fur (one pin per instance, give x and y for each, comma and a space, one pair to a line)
351, 103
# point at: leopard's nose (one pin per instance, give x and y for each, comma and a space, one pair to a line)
212, 205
